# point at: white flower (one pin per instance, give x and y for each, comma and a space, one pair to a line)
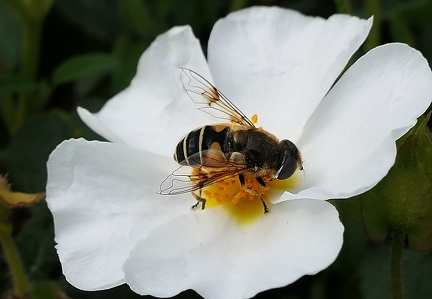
112, 228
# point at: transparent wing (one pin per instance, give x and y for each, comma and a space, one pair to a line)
213, 168
180, 182
210, 100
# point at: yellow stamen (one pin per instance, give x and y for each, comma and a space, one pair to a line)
244, 203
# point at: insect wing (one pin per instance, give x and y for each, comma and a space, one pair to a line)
210, 100
182, 181
178, 182
211, 167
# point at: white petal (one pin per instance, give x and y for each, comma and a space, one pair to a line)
154, 105
279, 64
207, 252
349, 142
98, 194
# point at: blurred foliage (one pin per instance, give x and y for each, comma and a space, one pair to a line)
57, 55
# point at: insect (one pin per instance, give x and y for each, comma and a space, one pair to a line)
235, 149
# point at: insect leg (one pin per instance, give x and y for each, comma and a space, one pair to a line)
261, 182
266, 210
199, 200
241, 179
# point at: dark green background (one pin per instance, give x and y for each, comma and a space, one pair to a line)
89, 51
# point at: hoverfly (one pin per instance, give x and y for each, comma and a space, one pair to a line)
227, 150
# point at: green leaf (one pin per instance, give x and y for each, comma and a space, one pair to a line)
29, 149
129, 52
85, 65
12, 83
36, 245
78, 128
84, 86
135, 15
98, 19
31, 146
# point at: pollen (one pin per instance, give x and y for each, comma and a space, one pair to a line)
244, 203
254, 118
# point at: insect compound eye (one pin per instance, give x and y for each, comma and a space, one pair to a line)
289, 162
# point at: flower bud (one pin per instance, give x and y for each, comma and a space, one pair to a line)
402, 201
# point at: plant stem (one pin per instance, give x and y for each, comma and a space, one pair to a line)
31, 14
29, 63
373, 9
343, 6
21, 284
396, 265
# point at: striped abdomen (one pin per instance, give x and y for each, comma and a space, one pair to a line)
191, 150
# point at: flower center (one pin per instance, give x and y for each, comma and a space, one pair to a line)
248, 202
